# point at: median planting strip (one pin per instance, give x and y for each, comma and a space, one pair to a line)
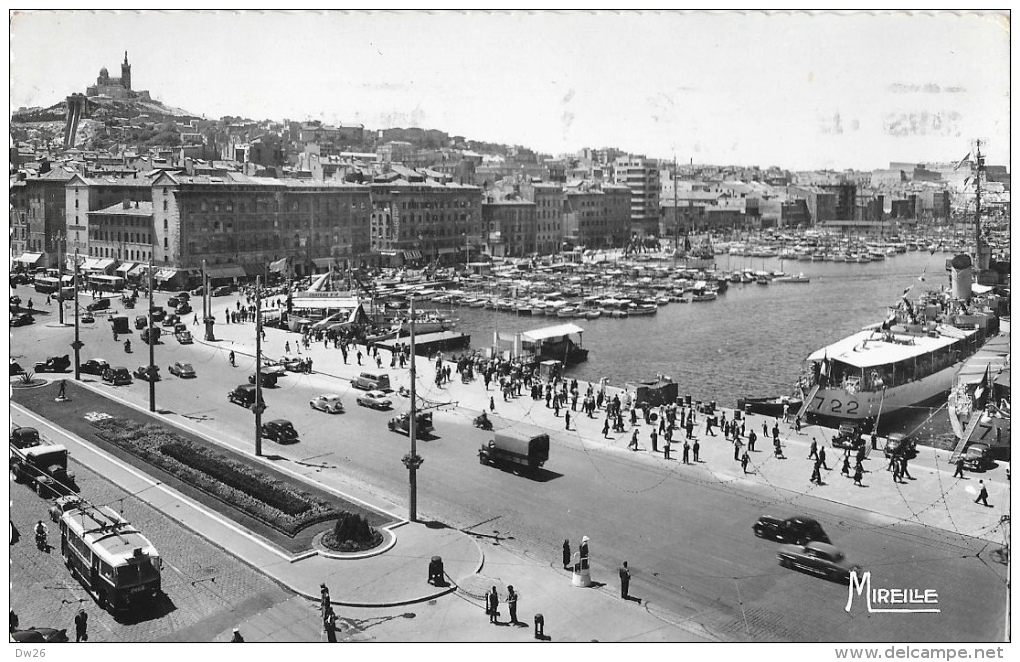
277, 506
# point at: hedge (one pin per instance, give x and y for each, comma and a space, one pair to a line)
257, 493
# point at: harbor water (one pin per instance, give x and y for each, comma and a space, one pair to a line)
751, 341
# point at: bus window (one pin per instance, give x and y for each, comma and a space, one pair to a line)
136, 573
106, 570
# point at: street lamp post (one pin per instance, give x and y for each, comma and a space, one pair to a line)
412, 460
77, 344
152, 347
258, 407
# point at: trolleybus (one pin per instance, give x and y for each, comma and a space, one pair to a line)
112, 560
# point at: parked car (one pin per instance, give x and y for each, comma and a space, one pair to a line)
173, 301
817, 558
198, 291
170, 320
374, 399
87, 318
21, 319
151, 335
244, 395
182, 370
797, 530
54, 364
268, 379
221, 291
184, 308
141, 321
184, 296
16, 368
158, 314
978, 457
117, 375
95, 367
329, 403
63, 504
848, 436
899, 444
270, 366
25, 437
280, 431
147, 373
372, 381
402, 424
98, 304
15, 301
36, 635
184, 337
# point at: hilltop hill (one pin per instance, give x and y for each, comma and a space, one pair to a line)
105, 108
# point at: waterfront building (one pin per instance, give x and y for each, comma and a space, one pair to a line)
415, 219
509, 227
641, 176
597, 215
18, 214
548, 199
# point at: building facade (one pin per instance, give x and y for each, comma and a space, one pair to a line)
641, 176
86, 194
597, 216
122, 231
548, 199
510, 227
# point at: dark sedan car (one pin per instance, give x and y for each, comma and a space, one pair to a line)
22, 319
147, 373
98, 304
94, 367
797, 530
39, 636
280, 431
158, 314
817, 558
268, 379
899, 444
117, 375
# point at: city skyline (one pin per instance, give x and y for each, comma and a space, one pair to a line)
794, 90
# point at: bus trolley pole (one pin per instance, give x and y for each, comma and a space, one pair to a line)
258, 407
77, 344
412, 460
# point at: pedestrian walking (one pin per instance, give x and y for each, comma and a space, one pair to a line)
492, 404
821, 458
796, 424
744, 461
982, 495
858, 475
81, 626
813, 452
329, 625
566, 554
816, 475
778, 447
665, 448
696, 447
686, 454
359, 357
786, 412
751, 438
605, 429
633, 441
493, 604
236, 638
624, 581
194, 322
959, 468
324, 603
903, 467
736, 449
511, 601
846, 466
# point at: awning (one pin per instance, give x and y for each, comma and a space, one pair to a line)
447, 251
126, 267
551, 332
412, 255
29, 258
105, 264
166, 274
226, 272
138, 269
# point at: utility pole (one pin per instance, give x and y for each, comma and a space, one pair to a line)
258, 407
77, 344
60, 238
207, 317
412, 460
152, 346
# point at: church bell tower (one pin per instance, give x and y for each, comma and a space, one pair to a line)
125, 73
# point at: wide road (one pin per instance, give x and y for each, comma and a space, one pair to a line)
686, 534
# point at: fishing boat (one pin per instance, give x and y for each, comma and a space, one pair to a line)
799, 278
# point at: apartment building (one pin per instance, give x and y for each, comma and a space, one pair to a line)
509, 227
87, 194
597, 216
641, 176
548, 199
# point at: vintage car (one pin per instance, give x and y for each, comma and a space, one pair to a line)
141, 321
22, 319
295, 365
978, 457
244, 395
147, 373
54, 364
158, 314
268, 378
170, 320
35, 635
98, 304
184, 337
272, 366
848, 436
899, 444
16, 368
402, 424
117, 375
221, 291
817, 558
329, 403
797, 530
95, 367
374, 399
182, 370
151, 335
87, 318
184, 308
15, 301
280, 431
25, 437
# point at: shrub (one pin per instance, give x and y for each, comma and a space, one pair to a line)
351, 533
27, 378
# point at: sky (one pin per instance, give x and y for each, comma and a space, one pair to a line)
795, 90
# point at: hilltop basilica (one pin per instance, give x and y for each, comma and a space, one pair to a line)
116, 88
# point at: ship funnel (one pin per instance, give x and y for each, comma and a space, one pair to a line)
962, 276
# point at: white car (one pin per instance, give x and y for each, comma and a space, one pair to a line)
329, 403
374, 399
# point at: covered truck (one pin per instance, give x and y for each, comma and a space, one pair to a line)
523, 449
